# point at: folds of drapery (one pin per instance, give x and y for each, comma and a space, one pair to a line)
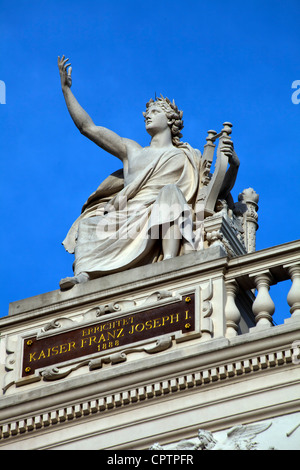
119, 226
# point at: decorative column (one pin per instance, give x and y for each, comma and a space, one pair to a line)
293, 297
248, 206
263, 307
232, 313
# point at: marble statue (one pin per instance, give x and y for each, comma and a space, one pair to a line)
239, 437
144, 212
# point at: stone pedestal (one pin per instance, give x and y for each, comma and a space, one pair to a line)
195, 359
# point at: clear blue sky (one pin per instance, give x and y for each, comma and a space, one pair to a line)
221, 61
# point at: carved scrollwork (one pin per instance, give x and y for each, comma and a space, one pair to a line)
114, 358
160, 295
118, 306
207, 309
123, 305
10, 364
57, 323
121, 356
56, 373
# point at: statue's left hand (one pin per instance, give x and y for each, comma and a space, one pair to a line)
228, 149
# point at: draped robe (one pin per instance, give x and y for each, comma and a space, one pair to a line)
120, 226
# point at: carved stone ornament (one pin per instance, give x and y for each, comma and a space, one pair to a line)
107, 334
238, 438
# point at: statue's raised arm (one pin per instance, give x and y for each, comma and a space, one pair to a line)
105, 138
152, 209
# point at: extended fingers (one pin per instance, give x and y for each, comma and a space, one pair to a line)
62, 62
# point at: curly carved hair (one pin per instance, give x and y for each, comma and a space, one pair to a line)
174, 116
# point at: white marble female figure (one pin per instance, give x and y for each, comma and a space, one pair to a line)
141, 214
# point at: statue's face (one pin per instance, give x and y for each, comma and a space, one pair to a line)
155, 119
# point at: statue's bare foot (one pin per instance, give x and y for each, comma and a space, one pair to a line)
69, 282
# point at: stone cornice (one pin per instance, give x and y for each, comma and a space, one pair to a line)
214, 363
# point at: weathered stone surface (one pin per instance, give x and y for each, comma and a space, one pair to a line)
154, 207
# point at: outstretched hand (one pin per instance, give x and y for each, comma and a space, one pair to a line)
65, 75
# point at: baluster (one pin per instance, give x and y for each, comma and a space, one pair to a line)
293, 297
263, 306
232, 313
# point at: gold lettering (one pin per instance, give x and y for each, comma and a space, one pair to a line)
187, 316
112, 334
90, 331
127, 321
102, 338
31, 357
139, 327
105, 335
119, 332
42, 355
92, 339
176, 315
63, 348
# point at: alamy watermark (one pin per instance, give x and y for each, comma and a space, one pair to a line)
128, 220
296, 95
2, 92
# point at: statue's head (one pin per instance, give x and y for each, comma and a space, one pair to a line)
172, 113
206, 440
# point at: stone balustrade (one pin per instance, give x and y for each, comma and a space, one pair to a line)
257, 272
